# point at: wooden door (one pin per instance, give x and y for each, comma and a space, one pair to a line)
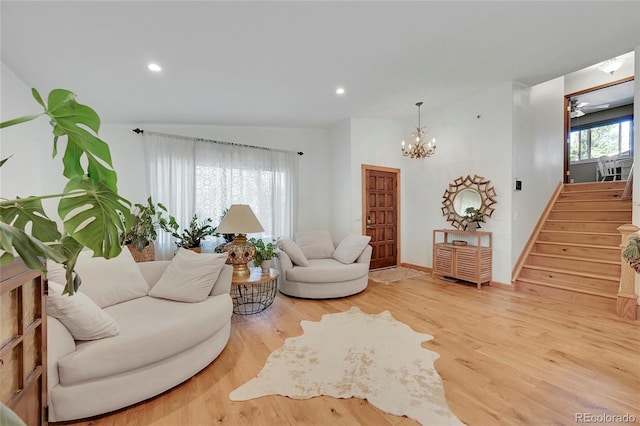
381, 214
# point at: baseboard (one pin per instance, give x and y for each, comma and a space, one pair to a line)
502, 286
416, 267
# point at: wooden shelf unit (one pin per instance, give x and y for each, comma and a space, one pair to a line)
23, 342
472, 262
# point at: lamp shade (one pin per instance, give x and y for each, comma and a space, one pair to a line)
239, 220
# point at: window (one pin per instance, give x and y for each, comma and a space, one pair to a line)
219, 187
613, 137
190, 175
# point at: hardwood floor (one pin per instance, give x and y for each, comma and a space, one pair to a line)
506, 358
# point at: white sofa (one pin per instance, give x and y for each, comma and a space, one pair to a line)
160, 343
316, 267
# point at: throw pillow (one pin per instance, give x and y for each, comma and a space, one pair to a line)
293, 251
82, 317
189, 277
351, 248
106, 281
315, 244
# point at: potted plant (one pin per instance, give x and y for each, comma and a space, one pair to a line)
92, 213
145, 221
227, 237
191, 236
473, 217
631, 252
264, 253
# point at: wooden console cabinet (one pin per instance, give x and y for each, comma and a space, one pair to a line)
471, 262
23, 342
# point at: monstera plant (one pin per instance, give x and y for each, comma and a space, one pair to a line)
92, 213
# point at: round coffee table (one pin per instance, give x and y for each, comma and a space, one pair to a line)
254, 293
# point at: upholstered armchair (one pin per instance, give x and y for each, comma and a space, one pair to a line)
314, 267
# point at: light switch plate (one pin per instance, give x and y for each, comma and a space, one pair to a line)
517, 185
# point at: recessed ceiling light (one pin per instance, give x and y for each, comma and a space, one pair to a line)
340, 91
155, 67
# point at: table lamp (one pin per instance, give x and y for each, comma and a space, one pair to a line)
239, 221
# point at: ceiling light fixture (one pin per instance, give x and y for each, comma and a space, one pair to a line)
154, 67
611, 66
420, 149
340, 91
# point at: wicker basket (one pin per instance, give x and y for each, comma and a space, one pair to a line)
146, 255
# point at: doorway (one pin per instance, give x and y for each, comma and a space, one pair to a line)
598, 128
381, 214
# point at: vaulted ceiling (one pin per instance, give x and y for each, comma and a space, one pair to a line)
279, 63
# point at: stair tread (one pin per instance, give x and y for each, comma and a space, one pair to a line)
557, 243
573, 186
591, 191
596, 201
589, 200
608, 234
560, 256
593, 210
570, 287
571, 272
589, 271
586, 221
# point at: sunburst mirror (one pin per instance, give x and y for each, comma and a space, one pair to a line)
466, 192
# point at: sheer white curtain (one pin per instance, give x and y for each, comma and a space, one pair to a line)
170, 168
262, 178
190, 176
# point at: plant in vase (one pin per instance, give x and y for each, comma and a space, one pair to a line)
631, 252
227, 237
144, 230
190, 237
92, 212
473, 217
264, 253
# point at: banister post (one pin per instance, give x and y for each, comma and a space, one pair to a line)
627, 303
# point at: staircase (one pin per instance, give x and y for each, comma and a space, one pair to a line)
576, 255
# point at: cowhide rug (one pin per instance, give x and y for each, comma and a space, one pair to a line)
353, 354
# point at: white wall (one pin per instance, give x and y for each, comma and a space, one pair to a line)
374, 142
31, 170
356, 142
473, 137
537, 155
314, 201
340, 178
466, 145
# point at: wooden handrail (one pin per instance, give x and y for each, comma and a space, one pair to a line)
534, 235
627, 303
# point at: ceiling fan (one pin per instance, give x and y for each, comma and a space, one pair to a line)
577, 106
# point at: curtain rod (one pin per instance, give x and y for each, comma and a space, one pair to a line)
141, 131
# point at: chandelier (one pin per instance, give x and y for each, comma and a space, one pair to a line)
421, 148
